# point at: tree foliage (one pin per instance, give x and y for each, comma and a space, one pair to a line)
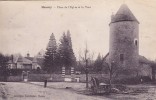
3, 60
56, 57
3, 66
51, 55
98, 64
65, 50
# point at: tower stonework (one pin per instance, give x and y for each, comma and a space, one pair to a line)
124, 39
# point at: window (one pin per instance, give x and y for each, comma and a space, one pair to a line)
136, 42
122, 58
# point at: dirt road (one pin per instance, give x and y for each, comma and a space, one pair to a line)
57, 91
25, 91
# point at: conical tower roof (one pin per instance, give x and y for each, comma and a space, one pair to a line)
123, 14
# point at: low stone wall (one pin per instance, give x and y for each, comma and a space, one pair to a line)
82, 78
42, 77
59, 78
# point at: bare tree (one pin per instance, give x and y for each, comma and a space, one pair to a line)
86, 58
113, 71
112, 68
86, 64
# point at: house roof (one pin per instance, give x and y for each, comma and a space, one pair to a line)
37, 60
34, 60
123, 14
19, 59
30, 58
26, 61
142, 60
40, 61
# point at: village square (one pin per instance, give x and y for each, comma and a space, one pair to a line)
62, 71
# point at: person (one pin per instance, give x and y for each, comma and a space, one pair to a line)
45, 83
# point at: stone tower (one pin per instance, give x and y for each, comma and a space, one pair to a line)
124, 39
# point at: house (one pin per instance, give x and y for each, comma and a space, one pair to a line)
25, 63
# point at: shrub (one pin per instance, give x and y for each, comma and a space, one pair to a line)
14, 78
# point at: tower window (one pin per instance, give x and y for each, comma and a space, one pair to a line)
136, 42
122, 58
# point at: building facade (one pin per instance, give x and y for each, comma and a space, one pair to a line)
25, 63
124, 39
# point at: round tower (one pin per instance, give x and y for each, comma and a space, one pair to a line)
124, 39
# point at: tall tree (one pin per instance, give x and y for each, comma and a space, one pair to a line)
71, 52
51, 55
67, 56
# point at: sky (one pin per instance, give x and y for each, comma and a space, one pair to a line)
26, 26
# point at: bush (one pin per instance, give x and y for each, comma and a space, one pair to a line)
129, 80
132, 80
42, 77
38, 71
146, 79
14, 78
15, 72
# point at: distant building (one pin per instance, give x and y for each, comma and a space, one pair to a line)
25, 63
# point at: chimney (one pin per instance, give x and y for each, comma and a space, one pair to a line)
12, 58
28, 55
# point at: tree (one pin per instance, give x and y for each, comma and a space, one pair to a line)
65, 50
51, 55
86, 58
86, 64
3, 66
98, 65
113, 70
71, 52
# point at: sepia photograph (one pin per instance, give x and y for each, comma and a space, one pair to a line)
78, 50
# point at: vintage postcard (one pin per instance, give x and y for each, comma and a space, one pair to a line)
78, 50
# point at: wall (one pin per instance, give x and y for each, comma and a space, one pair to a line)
122, 37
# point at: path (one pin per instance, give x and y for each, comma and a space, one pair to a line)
25, 91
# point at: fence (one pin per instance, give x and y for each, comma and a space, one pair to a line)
55, 77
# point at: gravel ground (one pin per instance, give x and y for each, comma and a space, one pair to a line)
150, 95
29, 91
58, 91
